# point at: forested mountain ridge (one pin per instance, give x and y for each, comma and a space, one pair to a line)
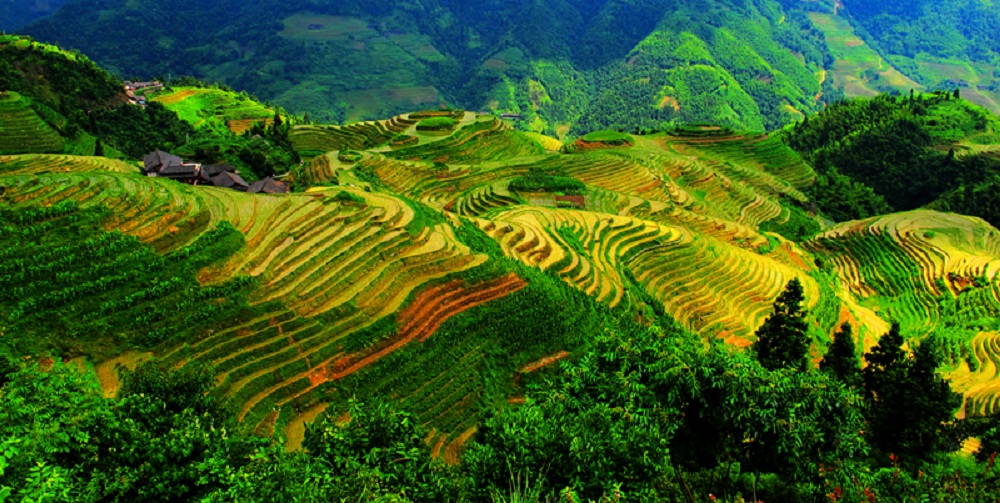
897, 153
563, 65
15, 14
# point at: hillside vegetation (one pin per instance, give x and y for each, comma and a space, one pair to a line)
894, 153
562, 66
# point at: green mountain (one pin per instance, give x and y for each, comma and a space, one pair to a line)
940, 44
16, 14
563, 65
895, 153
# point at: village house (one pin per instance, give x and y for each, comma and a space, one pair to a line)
165, 165
268, 186
230, 180
131, 88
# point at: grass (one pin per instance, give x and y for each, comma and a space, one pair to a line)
215, 108
608, 137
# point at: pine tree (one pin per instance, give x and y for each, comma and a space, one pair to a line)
908, 402
841, 360
782, 341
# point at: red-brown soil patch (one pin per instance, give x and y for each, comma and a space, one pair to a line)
239, 126
670, 101
548, 360
454, 449
421, 319
578, 201
796, 258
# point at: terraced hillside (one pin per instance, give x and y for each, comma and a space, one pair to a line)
215, 108
23, 131
436, 271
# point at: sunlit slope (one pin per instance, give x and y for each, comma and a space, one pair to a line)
659, 208
903, 264
215, 108
936, 274
428, 277
49, 163
331, 267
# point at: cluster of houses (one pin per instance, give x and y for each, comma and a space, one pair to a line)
165, 165
131, 88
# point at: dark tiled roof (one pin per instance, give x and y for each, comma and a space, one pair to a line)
268, 186
211, 170
155, 161
230, 181
180, 171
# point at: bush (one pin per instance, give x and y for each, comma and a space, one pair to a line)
436, 124
547, 183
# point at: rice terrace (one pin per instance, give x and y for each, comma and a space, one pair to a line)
713, 252
341, 291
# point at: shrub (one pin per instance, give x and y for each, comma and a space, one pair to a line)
436, 124
547, 183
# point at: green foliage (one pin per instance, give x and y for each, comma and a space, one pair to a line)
162, 440
346, 197
137, 131
608, 137
909, 404
548, 183
799, 226
71, 288
782, 341
876, 155
436, 124
842, 199
841, 360
383, 445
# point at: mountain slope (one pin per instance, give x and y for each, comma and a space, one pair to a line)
16, 14
434, 284
558, 63
940, 44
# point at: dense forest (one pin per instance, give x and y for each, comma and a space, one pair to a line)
896, 153
560, 64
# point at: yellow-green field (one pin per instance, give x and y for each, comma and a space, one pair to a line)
215, 108
376, 286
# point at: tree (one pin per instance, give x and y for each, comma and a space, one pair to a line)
909, 404
841, 360
98, 149
990, 439
782, 341
381, 451
957, 94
